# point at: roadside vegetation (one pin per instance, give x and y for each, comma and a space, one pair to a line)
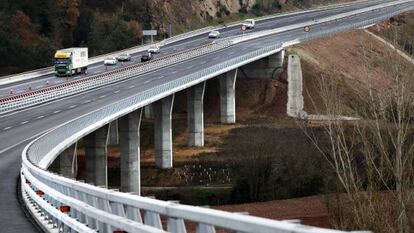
400, 31
31, 31
373, 158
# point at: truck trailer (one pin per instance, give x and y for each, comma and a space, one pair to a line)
71, 61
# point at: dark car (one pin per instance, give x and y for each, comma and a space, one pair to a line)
146, 57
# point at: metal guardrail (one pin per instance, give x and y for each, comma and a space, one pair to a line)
252, 36
128, 206
47, 94
43, 95
49, 70
104, 210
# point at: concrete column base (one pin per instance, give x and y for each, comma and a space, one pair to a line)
228, 97
163, 132
195, 117
96, 157
130, 152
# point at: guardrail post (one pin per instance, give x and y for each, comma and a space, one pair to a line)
118, 209
130, 151
195, 117
79, 215
95, 157
133, 214
162, 132
204, 228
176, 225
152, 219
93, 201
104, 205
228, 97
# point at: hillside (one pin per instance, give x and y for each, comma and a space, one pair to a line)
30, 31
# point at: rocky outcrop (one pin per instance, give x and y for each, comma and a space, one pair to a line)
207, 9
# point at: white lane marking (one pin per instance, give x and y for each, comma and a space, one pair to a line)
7, 128
130, 87
189, 67
39, 86
19, 143
203, 62
102, 96
162, 76
147, 81
24, 122
174, 72
87, 101
117, 91
72, 106
40, 117
57, 111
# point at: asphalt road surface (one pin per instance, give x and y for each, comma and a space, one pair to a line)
16, 128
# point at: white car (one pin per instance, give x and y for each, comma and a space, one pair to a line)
154, 49
249, 23
214, 34
124, 57
110, 61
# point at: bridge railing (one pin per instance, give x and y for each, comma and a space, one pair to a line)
43, 95
49, 70
84, 207
325, 20
46, 94
106, 210
100, 58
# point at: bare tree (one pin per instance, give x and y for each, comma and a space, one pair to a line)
373, 157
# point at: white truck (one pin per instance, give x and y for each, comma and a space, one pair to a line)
71, 61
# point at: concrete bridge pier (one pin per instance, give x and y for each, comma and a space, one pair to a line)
113, 133
295, 104
130, 151
66, 163
149, 111
162, 132
195, 117
265, 68
96, 157
228, 97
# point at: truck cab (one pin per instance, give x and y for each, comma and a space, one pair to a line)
71, 61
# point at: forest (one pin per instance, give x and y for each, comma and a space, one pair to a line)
31, 31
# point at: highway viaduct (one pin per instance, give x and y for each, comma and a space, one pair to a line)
20, 126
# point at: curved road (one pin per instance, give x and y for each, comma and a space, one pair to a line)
16, 128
